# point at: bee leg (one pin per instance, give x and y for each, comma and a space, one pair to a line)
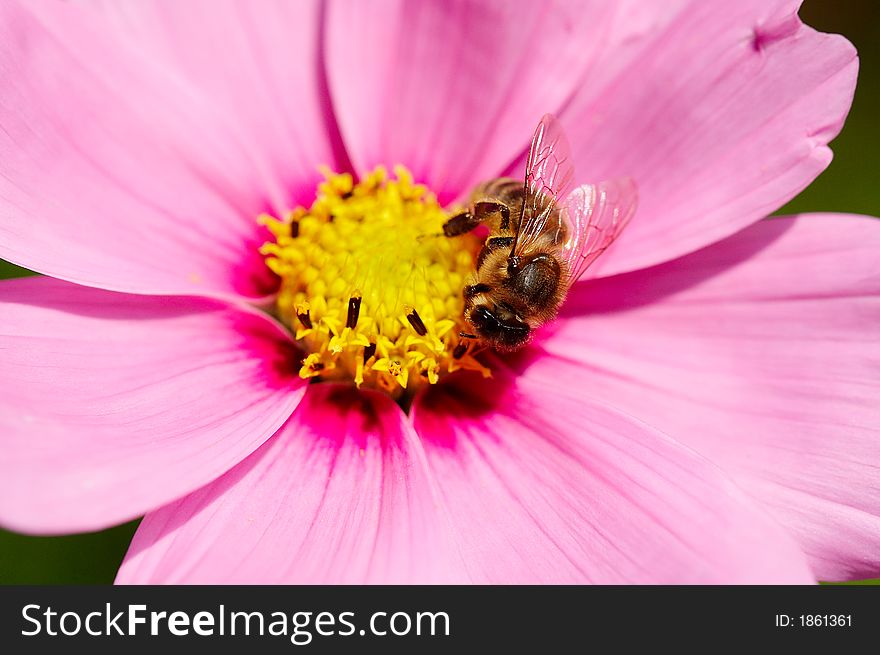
495, 214
461, 223
491, 212
461, 348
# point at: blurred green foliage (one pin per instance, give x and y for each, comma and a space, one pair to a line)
849, 185
11, 270
91, 558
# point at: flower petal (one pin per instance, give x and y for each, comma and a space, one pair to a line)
721, 112
115, 404
339, 495
761, 353
261, 63
114, 171
542, 488
453, 90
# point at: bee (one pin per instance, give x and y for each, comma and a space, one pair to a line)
542, 237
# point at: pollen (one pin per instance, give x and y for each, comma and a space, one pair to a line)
370, 287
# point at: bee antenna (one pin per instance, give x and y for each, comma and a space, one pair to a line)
465, 335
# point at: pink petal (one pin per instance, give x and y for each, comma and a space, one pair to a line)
761, 353
340, 494
115, 172
721, 111
260, 62
541, 487
113, 405
453, 90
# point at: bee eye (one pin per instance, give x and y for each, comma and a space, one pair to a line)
484, 320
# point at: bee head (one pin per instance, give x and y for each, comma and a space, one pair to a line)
499, 326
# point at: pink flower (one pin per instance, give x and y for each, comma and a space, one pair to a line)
704, 410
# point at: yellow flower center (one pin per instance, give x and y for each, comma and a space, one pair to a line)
369, 286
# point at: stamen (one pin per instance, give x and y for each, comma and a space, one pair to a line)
302, 313
354, 308
354, 266
416, 321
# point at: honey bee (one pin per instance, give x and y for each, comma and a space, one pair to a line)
541, 240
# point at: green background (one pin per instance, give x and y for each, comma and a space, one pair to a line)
849, 185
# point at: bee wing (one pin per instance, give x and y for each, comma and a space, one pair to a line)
549, 171
594, 216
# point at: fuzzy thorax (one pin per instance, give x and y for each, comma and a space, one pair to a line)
369, 286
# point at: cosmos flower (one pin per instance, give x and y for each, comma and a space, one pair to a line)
703, 410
